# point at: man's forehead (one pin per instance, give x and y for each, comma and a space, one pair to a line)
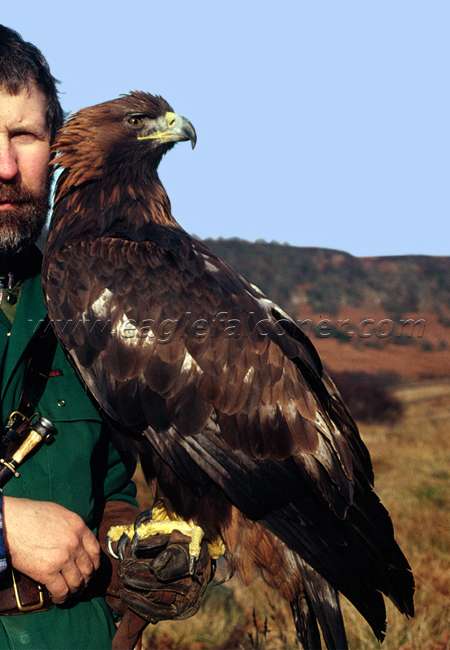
26, 107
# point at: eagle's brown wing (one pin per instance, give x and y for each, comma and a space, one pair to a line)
170, 323
228, 390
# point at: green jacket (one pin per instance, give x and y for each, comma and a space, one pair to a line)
80, 470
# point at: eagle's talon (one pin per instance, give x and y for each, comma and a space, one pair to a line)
124, 539
143, 517
192, 563
111, 551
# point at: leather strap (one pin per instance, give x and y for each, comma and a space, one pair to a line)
39, 357
129, 634
20, 594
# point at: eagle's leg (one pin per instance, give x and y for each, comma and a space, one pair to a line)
158, 521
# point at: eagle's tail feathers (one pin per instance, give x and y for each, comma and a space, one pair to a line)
305, 624
324, 602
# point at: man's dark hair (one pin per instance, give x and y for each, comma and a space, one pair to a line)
21, 64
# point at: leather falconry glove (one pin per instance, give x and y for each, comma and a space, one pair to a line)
158, 578
155, 577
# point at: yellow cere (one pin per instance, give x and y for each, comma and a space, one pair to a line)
171, 119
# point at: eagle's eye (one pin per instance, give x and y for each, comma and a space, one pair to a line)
136, 121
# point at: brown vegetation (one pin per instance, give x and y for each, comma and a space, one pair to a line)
417, 354
368, 396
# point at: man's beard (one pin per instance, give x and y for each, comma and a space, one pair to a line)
21, 225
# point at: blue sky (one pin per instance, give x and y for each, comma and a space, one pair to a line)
319, 123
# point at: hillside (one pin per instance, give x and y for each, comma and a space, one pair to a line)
389, 314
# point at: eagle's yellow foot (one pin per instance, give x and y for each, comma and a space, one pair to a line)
159, 522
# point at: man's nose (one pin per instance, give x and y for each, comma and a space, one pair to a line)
8, 162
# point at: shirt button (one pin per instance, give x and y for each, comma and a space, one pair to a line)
61, 402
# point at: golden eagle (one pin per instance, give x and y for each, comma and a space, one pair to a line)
218, 391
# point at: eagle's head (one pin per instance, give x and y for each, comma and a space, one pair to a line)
129, 133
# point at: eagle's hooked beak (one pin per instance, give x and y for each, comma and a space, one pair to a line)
172, 127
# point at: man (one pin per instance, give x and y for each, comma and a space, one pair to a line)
52, 512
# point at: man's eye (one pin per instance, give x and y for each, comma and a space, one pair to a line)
135, 120
24, 137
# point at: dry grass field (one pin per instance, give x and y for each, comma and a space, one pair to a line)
412, 468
